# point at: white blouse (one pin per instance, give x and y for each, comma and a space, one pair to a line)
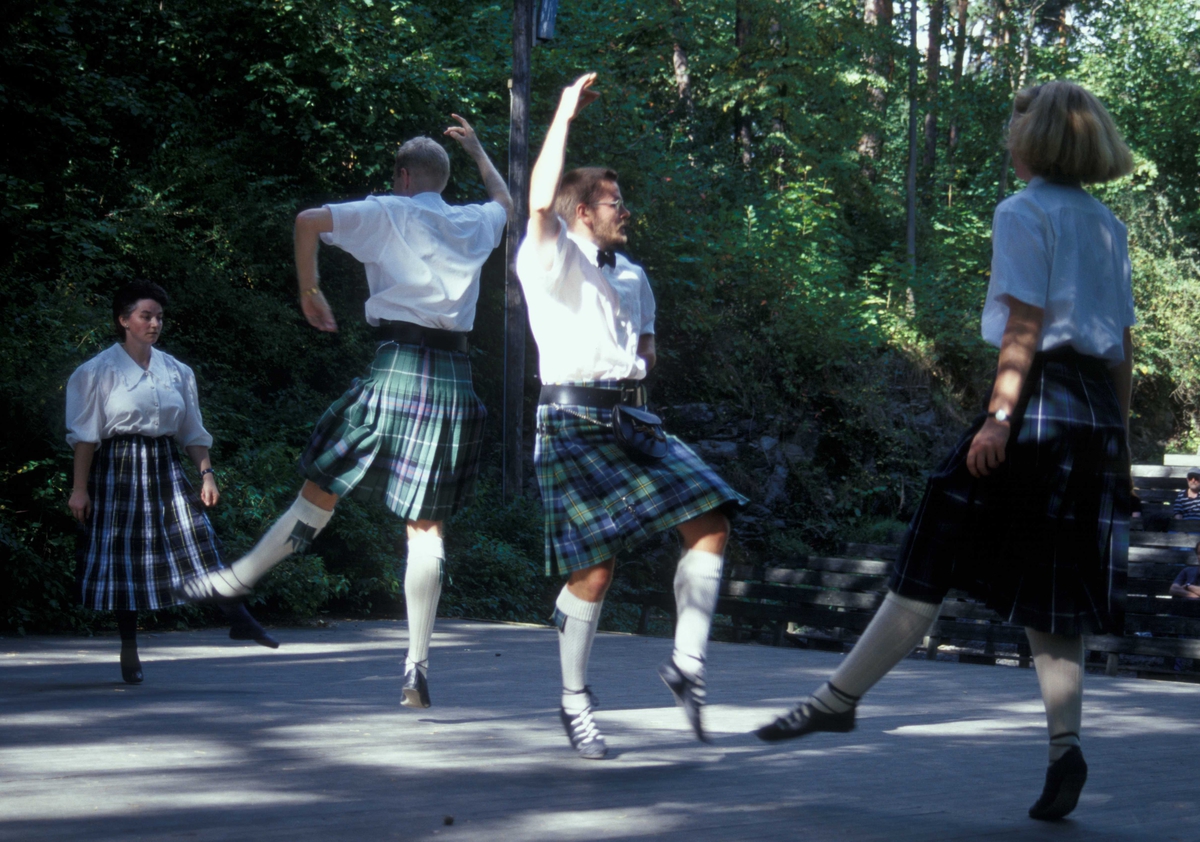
422, 255
1056, 247
111, 395
586, 320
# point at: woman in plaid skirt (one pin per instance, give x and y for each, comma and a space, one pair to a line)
143, 528
1030, 511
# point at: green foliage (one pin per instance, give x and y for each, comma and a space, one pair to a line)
177, 141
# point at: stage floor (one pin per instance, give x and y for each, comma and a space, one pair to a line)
229, 740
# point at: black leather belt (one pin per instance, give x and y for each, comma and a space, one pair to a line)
631, 393
407, 333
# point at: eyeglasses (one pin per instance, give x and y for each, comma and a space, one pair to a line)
619, 205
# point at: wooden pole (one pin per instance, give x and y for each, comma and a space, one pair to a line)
514, 303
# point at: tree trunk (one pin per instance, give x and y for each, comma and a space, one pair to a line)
1018, 82
679, 61
876, 13
913, 60
956, 74
742, 128
933, 66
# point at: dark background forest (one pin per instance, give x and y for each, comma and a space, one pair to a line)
818, 355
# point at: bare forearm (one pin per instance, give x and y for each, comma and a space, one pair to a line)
85, 452
199, 455
310, 224
493, 182
544, 180
1017, 348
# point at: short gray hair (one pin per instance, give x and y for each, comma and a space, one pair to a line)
424, 156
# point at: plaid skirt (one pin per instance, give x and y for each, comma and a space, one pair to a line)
409, 434
148, 530
1044, 540
597, 501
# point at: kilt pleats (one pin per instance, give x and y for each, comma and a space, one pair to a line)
596, 501
407, 434
1044, 540
148, 529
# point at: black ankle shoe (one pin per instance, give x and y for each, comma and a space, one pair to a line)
691, 694
805, 719
131, 666
1064, 781
415, 693
242, 626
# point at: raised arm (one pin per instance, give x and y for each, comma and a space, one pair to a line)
492, 182
1020, 342
547, 172
310, 225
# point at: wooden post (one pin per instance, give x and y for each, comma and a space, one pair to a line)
514, 303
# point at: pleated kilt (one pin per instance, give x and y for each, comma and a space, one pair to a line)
148, 529
408, 434
1044, 540
597, 501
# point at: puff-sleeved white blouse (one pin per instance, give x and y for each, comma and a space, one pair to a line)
111, 395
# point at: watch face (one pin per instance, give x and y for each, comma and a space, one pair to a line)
1000, 415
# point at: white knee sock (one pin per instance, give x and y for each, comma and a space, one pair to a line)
1058, 660
577, 630
292, 533
422, 589
697, 585
895, 629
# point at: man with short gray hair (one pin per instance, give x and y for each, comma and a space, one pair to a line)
408, 433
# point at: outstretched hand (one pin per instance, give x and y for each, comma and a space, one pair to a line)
316, 310
577, 96
465, 135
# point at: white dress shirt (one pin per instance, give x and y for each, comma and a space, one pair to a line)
586, 320
111, 395
1056, 247
422, 255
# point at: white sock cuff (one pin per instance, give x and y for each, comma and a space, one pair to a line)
576, 608
928, 610
426, 544
701, 563
310, 513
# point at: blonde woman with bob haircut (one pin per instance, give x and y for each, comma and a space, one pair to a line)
1030, 511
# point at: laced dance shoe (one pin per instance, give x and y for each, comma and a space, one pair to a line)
581, 730
1064, 781
805, 719
691, 694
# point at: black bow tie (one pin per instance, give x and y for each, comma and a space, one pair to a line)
606, 257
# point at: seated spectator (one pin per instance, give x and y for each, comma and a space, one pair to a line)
1187, 502
1187, 583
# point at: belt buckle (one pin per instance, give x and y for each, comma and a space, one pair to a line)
631, 394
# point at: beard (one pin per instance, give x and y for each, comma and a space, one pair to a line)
611, 235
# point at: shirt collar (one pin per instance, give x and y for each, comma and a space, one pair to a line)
132, 373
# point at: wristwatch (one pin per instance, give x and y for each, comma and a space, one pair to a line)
1000, 415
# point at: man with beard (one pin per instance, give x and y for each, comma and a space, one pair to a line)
592, 314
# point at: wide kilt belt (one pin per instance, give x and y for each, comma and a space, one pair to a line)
406, 333
631, 393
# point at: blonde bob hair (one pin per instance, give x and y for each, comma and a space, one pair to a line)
426, 157
1063, 133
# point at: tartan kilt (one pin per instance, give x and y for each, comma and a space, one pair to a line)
409, 434
597, 501
148, 530
1043, 540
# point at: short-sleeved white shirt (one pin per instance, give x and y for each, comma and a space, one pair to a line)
586, 320
1056, 247
111, 395
422, 255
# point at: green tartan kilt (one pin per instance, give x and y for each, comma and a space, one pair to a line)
408, 434
597, 501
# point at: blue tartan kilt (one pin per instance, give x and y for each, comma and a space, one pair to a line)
597, 501
148, 530
1043, 540
408, 433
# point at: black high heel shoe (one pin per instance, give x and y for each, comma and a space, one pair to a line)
243, 626
1064, 781
131, 665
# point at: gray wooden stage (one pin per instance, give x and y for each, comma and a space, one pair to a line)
233, 741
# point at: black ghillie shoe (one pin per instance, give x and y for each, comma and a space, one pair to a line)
416, 689
691, 694
131, 665
581, 730
242, 626
805, 719
1064, 781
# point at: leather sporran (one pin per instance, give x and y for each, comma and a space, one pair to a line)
639, 433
